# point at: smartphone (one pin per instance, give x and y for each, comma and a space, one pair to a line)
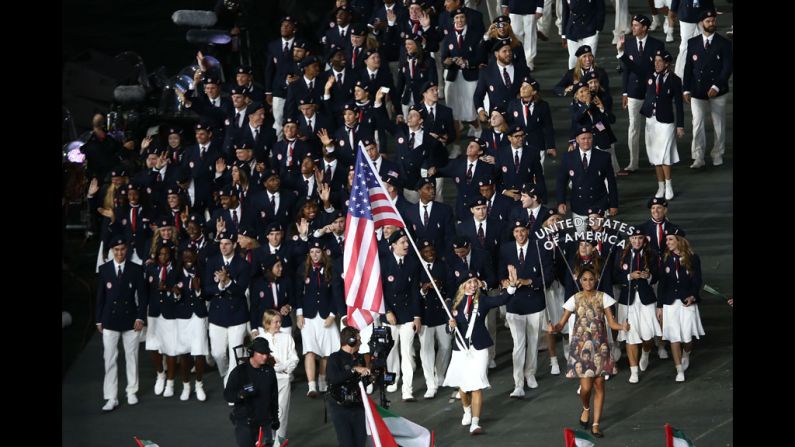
385, 90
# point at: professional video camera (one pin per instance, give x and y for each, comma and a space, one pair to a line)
380, 344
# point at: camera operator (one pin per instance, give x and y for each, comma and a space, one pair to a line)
252, 387
345, 368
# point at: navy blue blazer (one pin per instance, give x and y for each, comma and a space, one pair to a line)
159, 302
632, 261
538, 125
389, 37
466, 190
527, 299
487, 56
120, 301
492, 236
491, 81
401, 287
474, 20
529, 171
262, 299
687, 12
314, 295
340, 93
522, 214
651, 230
589, 115
431, 309
479, 261
298, 90
582, 18
440, 227
639, 67
277, 65
408, 87
228, 307
495, 140
343, 149
319, 121
409, 160
470, 52
480, 335
588, 187
687, 284
703, 68
523, 7
442, 123
662, 105
188, 302
278, 156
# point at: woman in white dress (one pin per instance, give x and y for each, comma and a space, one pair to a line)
469, 364
286, 359
678, 297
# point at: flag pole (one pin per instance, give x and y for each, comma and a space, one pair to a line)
459, 337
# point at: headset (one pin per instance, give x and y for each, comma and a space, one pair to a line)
351, 340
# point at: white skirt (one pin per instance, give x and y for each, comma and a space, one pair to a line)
681, 323
468, 370
661, 142
192, 336
554, 300
168, 337
152, 338
643, 324
318, 339
460, 96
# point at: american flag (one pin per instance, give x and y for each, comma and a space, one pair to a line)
369, 208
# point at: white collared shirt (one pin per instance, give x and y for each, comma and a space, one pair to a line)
422, 210
587, 155
417, 137
523, 247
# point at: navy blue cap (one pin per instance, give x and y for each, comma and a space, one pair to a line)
274, 226
253, 107
358, 29
487, 182
427, 85
582, 130
202, 126
456, 12
589, 76
238, 90
345, 7
515, 129
665, 55
290, 19
422, 243
271, 260
583, 50
208, 79
244, 69
306, 100
529, 189
392, 180
289, 120
164, 221
173, 189
133, 187
425, 181
228, 191
598, 211
460, 241
501, 19
676, 231
227, 235
499, 109
496, 46
118, 172
315, 243
482, 144
247, 230
549, 213
643, 20
707, 14
116, 241
532, 82
419, 108
260, 345
350, 105
308, 61
518, 224
362, 85
478, 201
637, 231
300, 43
657, 201
370, 52
176, 130
395, 236
196, 217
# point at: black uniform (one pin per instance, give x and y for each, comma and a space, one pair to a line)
255, 409
348, 419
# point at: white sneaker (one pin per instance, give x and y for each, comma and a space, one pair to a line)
669, 192
467, 419
391, 388
185, 391
661, 352
200, 391
322, 385
430, 393
132, 399
160, 383
409, 397
110, 405
312, 393
685, 361
660, 190
680, 376
169, 391
492, 364
644, 361
717, 161
633, 378
555, 370
517, 393
531, 382
475, 429
369, 389
655, 22
697, 164
669, 37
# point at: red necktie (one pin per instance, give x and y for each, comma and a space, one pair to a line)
494, 138
415, 25
361, 115
488, 208
176, 219
353, 58
290, 154
526, 112
163, 274
660, 236
411, 66
248, 256
134, 219
599, 247
659, 82
469, 306
637, 263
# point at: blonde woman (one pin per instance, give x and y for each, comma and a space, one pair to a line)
286, 359
469, 365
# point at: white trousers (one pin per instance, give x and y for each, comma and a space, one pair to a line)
284, 405
110, 342
636, 121
623, 23
222, 343
434, 361
494, 9
524, 331
545, 22
716, 107
401, 358
278, 116
573, 45
686, 31
525, 27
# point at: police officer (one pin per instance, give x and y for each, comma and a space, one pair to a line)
253, 389
344, 366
